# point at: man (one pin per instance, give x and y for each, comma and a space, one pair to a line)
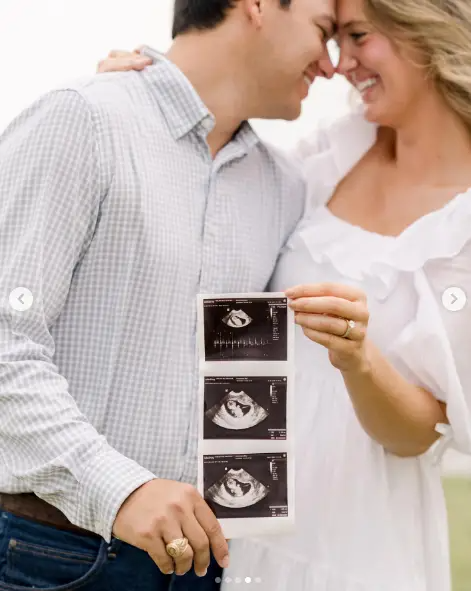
123, 197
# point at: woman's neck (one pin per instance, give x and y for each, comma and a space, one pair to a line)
432, 145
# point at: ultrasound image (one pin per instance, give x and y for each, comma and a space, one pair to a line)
245, 408
246, 329
252, 485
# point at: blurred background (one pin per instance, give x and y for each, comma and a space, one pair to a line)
44, 43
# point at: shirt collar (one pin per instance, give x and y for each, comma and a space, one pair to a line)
247, 136
182, 106
180, 103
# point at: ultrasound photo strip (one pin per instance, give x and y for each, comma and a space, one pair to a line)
246, 411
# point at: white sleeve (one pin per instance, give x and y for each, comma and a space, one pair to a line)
457, 344
435, 346
312, 145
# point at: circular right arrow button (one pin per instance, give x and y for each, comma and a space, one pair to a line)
454, 299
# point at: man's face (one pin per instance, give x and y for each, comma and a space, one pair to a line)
289, 52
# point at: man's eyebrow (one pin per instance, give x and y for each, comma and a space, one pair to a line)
332, 24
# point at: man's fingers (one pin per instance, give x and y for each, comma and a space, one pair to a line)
184, 562
199, 542
210, 525
159, 555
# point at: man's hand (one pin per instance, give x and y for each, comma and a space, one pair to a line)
122, 61
161, 511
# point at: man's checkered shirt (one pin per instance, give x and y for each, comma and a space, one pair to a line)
114, 215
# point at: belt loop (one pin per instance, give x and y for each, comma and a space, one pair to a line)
114, 547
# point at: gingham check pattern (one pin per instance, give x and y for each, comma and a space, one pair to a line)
114, 215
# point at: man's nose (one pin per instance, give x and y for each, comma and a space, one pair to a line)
326, 67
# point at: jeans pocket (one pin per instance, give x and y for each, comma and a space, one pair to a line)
57, 561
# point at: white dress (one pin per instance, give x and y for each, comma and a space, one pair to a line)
367, 520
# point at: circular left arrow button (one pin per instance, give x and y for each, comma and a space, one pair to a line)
21, 299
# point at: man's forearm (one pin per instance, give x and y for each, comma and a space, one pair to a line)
49, 448
397, 414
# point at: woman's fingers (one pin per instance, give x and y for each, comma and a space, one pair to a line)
332, 306
115, 53
316, 290
324, 312
331, 325
331, 342
123, 61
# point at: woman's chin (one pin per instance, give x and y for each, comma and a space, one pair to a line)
374, 113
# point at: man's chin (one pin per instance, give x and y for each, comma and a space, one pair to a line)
290, 112
294, 114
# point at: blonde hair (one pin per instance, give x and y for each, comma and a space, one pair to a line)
441, 31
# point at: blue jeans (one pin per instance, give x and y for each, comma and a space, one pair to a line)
42, 557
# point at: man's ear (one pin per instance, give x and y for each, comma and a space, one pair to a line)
254, 10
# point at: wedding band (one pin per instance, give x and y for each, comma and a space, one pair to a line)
350, 326
177, 548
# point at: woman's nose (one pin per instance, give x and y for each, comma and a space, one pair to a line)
346, 64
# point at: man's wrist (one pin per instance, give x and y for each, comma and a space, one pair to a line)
107, 484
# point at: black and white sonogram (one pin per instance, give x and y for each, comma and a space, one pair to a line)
254, 485
245, 408
246, 329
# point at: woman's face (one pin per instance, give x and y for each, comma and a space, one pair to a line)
389, 80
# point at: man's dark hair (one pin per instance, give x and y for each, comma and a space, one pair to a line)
203, 14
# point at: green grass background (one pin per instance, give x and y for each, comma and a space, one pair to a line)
458, 494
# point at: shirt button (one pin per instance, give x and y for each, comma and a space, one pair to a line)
207, 124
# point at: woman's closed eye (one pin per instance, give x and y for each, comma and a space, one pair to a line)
357, 36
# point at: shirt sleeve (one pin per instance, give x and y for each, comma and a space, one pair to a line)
50, 193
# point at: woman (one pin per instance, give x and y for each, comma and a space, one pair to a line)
387, 230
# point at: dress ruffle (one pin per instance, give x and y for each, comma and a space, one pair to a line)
377, 260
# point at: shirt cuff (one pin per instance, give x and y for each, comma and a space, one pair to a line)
106, 484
